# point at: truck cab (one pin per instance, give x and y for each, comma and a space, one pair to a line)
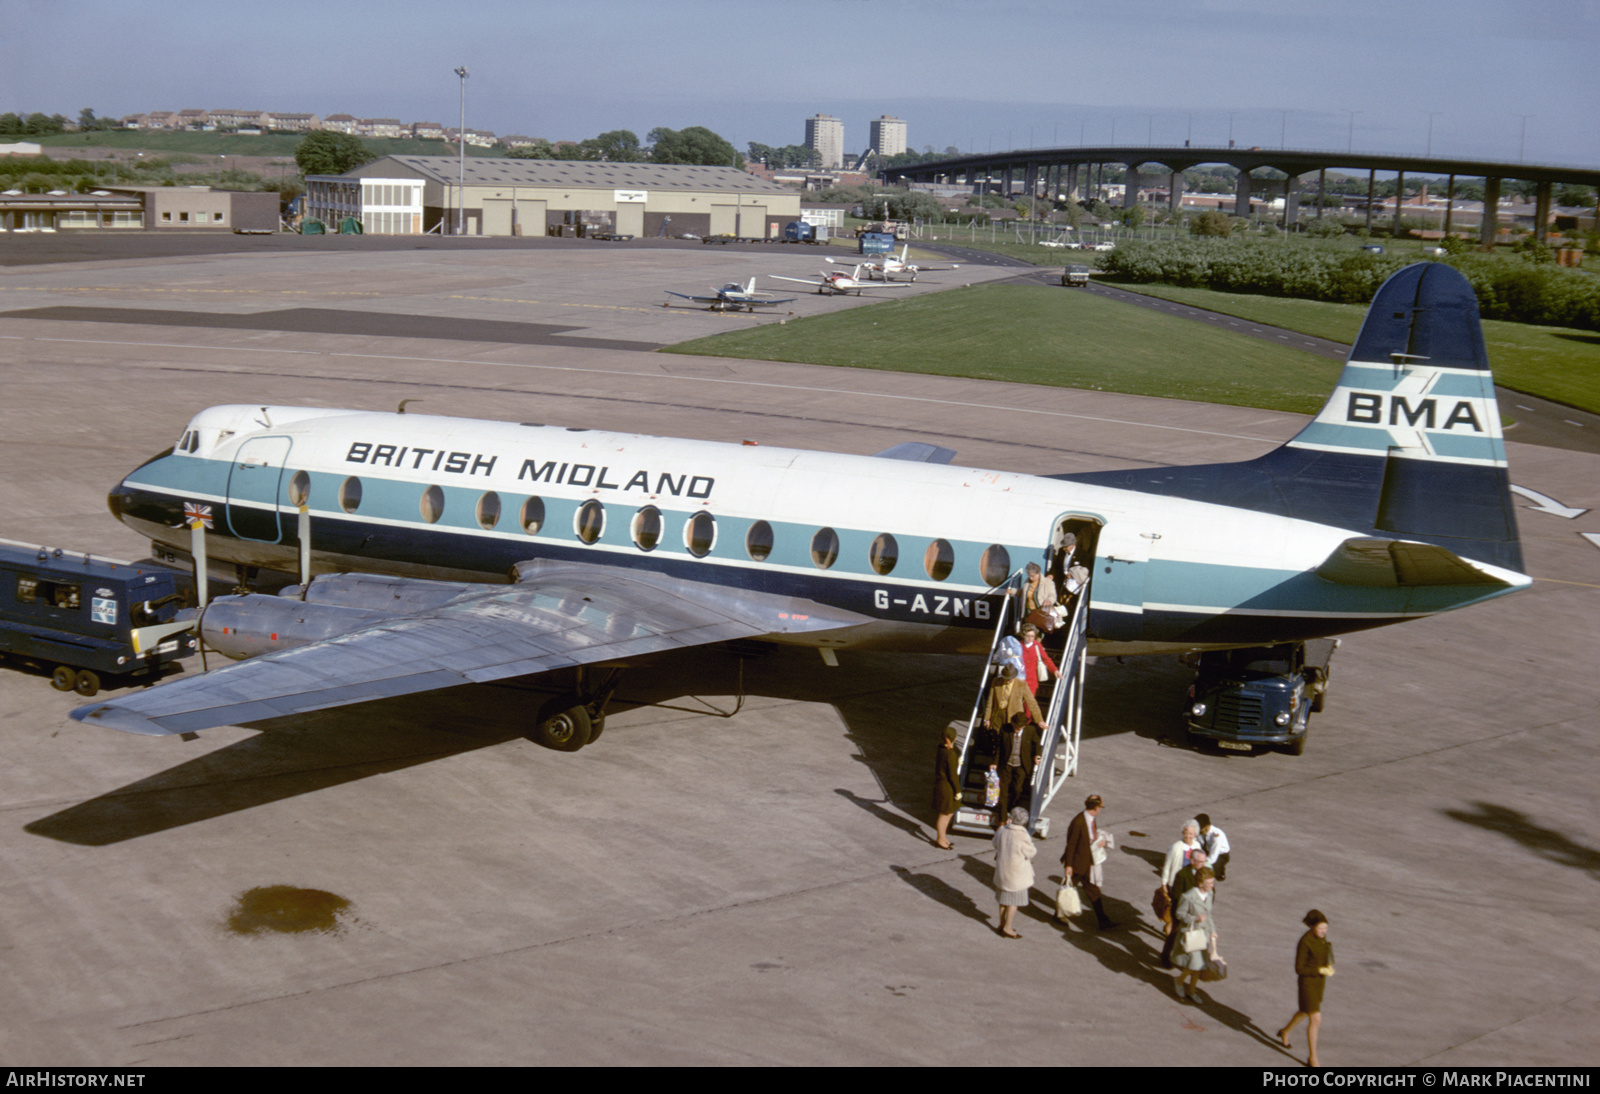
1260, 695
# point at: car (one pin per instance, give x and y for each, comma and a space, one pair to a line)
1372, 249
1102, 246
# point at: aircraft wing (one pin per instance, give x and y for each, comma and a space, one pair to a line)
558, 616
696, 299
812, 281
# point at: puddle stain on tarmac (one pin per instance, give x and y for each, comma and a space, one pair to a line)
285, 909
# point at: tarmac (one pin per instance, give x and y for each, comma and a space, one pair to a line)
741, 870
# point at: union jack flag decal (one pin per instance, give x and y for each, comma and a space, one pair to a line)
195, 513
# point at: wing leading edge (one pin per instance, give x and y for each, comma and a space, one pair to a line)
553, 617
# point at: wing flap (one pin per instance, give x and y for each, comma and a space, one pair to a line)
1395, 563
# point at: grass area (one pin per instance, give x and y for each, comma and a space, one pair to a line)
1037, 335
1556, 363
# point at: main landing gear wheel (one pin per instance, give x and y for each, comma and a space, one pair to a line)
87, 684
563, 725
65, 678
597, 723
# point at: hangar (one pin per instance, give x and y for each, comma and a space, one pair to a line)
503, 197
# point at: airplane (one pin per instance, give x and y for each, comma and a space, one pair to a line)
735, 296
448, 551
887, 265
839, 283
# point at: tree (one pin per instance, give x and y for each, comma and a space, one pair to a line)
538, 150
1212, 222
616, 146
696, 144
328, 153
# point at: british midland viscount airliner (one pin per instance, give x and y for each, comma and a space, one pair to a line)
448, 551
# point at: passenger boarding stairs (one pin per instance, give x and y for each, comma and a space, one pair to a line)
1062, 708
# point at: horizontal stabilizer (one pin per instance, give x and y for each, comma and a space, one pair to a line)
917, 452
1395, 563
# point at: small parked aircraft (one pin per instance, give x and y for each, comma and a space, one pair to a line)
839, 283
449, 551
888, 266
733, 296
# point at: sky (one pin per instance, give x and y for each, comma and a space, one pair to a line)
1494, 79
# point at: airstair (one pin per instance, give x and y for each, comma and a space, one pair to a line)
1058, 753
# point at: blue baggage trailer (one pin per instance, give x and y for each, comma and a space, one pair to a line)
89, 620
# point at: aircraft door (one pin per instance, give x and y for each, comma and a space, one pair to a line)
254, 485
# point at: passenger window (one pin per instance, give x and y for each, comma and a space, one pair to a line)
758, 541
700, 534
300, 489
647, 528
995, 565
824, 548
432, 504
488, 511
532, 516
350, 494
938, 560
885, 553
590, 521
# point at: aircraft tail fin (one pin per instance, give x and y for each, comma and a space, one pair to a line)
1407, 447
1417, 396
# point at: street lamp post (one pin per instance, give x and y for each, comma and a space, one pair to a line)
1431, 115
1351, 146
461, 150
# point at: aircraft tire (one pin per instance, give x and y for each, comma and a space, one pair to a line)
563, 725
65, 678
597, 725
87, 684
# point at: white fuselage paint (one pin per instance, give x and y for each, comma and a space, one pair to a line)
399, 457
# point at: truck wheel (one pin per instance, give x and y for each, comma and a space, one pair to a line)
1297, 747
65, 678
88, 684
1316, 703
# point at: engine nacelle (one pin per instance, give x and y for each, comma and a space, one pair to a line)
374, 592
248, 626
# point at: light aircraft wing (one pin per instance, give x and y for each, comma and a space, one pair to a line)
797, 280
696, 299
562, 615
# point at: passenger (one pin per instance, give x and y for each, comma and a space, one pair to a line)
946, 788
1039, 599
1019, 755
1182, 882
1196, 917
1008, 652
1013, 868
1010, 696
1036, 663
1215, 841
1177, 859
1313, 964
1085, 856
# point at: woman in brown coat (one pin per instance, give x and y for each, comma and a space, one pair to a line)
946, 790
1313, 964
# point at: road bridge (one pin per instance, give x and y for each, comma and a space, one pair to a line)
1067, 170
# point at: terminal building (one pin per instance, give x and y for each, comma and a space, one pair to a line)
140, 207
408, 195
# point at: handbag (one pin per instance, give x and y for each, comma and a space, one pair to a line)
1161, 904
1194, 939
1216, 969
1068, 903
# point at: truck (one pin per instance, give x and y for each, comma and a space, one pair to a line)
799, 231
1243, 699
876, 243
89, 621
1076, 277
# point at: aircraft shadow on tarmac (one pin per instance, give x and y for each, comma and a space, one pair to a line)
893, 707
1547, 843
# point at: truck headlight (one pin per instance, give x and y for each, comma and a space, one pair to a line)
1198, 710
1282, 718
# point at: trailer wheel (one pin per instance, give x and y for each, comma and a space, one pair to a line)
88, 684
65, 678
562, 725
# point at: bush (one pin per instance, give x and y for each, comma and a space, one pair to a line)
1522, 292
